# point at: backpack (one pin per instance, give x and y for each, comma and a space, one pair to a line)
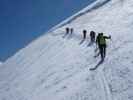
102, 40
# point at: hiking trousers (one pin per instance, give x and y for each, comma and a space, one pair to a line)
102, 49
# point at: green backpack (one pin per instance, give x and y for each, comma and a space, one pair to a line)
102, 40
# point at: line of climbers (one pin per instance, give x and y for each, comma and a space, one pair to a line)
100, 41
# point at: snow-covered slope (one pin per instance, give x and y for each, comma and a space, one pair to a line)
56, 66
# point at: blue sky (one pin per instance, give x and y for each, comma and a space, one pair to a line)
21, 21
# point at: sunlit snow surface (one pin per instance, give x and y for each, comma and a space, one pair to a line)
56, 66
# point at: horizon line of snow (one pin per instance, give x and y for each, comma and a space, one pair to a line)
95, 5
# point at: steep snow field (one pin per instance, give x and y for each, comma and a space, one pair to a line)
56, 66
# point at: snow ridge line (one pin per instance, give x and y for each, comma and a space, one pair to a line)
93, 7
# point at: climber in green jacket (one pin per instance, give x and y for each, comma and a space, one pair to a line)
101, 42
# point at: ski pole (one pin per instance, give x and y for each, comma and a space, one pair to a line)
113, 44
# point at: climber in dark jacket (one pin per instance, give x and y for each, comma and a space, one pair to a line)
101, 42
67, 30
84, 34
71, 30
92, 36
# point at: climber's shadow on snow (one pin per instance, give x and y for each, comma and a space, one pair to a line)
97, 53
98, 64
90, 44
69, 36
82, 41
64, 35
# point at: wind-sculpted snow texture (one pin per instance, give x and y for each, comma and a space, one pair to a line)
56, 65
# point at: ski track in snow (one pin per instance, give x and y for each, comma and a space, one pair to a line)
105, 85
